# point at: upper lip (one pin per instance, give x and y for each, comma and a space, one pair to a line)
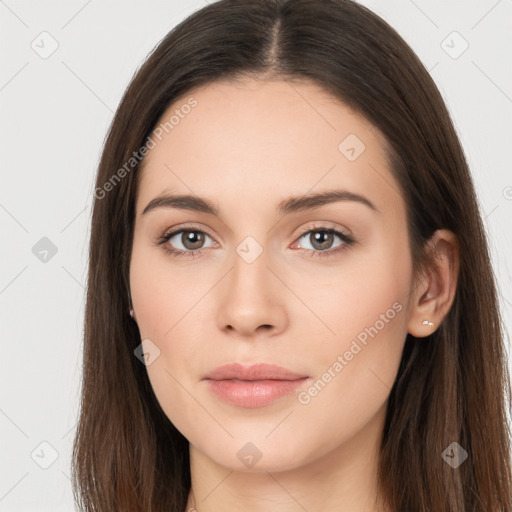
259, 371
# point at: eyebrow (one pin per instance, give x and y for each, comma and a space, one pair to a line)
286, 206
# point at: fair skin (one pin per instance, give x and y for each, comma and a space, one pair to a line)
246, 146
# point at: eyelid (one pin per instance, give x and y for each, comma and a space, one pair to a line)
319, 225
187, 227
306, 229
341, 232
347, 240
163, 240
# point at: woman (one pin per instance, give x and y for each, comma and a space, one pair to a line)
290, 300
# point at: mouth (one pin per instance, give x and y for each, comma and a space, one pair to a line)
253, 386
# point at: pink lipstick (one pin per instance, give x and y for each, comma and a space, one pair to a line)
253, 386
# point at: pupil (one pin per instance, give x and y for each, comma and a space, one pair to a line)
190, 243
318, 236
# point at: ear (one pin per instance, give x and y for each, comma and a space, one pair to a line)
433, 297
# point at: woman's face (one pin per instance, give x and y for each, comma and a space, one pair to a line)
267, 282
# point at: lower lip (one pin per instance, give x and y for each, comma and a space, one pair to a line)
256, 393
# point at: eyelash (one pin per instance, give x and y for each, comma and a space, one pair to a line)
176, 253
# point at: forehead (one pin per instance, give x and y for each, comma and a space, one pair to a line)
264, 139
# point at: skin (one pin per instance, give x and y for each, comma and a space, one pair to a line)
246, 146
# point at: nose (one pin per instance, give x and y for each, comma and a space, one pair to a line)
251, 299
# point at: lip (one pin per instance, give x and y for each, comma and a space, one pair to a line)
253, 386
259, 371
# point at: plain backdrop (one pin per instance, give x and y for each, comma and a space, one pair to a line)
64, 66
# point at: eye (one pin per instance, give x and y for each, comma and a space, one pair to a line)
188, 241
184, 242
321, 240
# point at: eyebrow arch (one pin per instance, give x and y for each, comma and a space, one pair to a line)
286, 206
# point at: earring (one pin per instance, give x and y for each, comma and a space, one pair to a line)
132, 312
427, 322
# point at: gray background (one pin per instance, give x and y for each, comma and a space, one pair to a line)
55, 112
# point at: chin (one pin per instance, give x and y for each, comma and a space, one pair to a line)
243, 455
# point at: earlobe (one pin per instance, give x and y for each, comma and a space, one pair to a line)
431, 302
423, 317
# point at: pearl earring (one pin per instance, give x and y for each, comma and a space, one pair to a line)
426, 322
131, 312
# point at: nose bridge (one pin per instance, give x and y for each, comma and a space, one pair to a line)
250, 297
250, 272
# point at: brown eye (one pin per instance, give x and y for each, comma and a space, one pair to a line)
192, 240
321, 240
185, 242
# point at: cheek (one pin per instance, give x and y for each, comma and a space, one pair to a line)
161, 294
174, 390
356, 368
167, 309
367, 290
362, 305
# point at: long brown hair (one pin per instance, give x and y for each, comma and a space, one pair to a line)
451, 387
